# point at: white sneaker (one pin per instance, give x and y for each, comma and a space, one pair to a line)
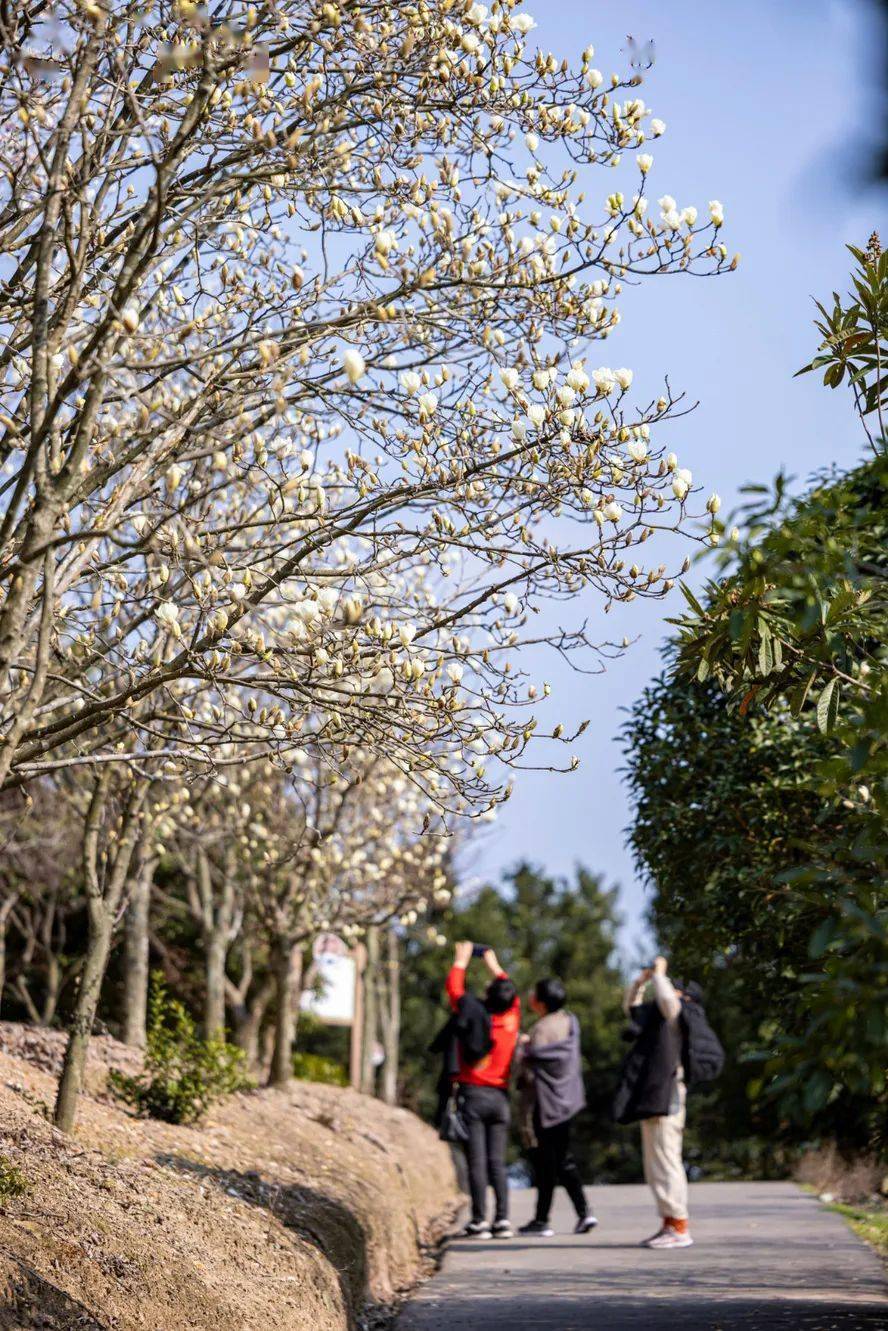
476, 1229
669, 1238
502, 1230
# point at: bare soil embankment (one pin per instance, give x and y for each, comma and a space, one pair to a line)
283, 1210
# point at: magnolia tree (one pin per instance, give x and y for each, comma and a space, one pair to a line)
284, 281
301, 421
336, 849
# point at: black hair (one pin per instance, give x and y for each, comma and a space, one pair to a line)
551, 994
691, 989
501, 994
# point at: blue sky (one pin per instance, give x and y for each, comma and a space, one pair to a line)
771, 113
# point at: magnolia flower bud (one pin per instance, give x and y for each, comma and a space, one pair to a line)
713, 503
129, 317
716, 212
645, 161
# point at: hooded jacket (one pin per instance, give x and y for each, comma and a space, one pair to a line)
558, 1090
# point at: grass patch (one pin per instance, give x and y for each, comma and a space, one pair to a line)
869, 1224
12, 1181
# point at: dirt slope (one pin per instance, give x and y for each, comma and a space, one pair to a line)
285, 1209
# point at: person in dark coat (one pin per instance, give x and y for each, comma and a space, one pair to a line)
672, 1047
551, 1082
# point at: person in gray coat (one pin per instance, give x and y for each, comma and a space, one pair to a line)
551, 1082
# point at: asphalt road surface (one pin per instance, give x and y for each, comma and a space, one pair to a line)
765, 1255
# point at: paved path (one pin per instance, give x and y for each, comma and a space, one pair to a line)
765, 1255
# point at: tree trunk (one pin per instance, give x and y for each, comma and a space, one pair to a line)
391, 1019
371, 1012
137, 952
214, 1003
248, 1021
3, 920
287, 964
104, 895
71, 1080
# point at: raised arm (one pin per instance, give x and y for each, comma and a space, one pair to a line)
455, 985
666, 998
492, 963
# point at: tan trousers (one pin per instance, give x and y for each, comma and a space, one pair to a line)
661, 1143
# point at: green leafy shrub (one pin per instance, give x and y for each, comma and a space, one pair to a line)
12, 1181
183, 1073
314, 1067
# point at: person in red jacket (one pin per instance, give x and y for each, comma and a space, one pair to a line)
484, 1092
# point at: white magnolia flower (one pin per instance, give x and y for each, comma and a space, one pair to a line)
637, 450
306, 459
470, 42
168, 615
671, 461
716, 212
384, 242
658, 127
220, 461
129, 317
612, 511
667, 204
519, 429
510, 378
604, 380
645, 162
382, 682
411, 382
522, 23
406, 633
623, 378
689, 216
532, 141
672, 219
679, 488
354, 365
714, 503
594, 78
686, 475
540, 379
510, 603
537, 414
428, 405
455, 672
578, 378
476, 15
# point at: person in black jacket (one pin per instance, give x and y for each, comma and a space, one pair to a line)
652, 1090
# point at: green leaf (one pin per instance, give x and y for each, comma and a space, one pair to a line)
828, 706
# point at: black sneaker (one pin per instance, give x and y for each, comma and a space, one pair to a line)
477, 1229
587, 1223
540, 1229
502, 1230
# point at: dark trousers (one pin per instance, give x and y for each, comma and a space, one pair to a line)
485, 1111
553, 1163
